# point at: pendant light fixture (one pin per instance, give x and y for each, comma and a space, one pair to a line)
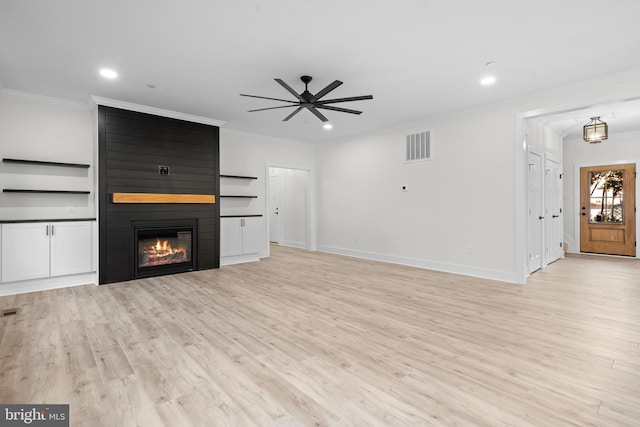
595, 131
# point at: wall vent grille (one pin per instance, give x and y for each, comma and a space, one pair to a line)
418, 146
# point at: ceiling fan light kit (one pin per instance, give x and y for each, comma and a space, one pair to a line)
311, 102
595, 131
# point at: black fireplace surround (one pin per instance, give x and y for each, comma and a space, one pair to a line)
144, 153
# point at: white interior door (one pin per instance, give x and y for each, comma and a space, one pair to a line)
274, 209
552, 211
535, 213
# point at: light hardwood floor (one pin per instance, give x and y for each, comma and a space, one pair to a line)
304, 339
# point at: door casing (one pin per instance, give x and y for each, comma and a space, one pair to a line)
311, 205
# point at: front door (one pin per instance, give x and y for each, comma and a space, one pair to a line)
607, 209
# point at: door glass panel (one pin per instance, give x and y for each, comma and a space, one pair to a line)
606, 197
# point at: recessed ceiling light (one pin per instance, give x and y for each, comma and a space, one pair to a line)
489, 77
328, 126
108, 73
487, 81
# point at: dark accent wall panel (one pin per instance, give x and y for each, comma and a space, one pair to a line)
131, 146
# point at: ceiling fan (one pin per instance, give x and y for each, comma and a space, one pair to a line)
311, 102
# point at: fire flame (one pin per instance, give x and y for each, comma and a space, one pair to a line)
162, 253
164, 248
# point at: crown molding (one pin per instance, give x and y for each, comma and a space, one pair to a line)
107, 102
28, 96
257, 137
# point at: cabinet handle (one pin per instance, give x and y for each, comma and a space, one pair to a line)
47, 230
52, 229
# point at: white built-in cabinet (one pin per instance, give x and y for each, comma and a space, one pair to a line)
241, 236
251, 235
25, 251
34, 250
240, 239
70, 245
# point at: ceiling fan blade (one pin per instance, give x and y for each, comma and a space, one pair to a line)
352, 98
290, 89
296, 111
272, 99
328, 89
342, 110
273, 108
316, 113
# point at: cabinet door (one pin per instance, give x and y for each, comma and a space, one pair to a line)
71, 247
230, 237
251, 235
25, 251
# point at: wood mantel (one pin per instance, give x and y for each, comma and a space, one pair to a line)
162, 198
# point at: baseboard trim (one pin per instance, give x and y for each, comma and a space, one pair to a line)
239, 259
292, 244
502, 276
45, 284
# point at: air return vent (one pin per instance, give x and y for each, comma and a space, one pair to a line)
418, 146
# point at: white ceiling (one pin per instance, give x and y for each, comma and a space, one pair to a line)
621, 117
417, 57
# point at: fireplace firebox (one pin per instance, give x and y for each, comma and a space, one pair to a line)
164, 247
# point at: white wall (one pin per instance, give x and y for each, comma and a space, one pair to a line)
619, 148
465, 210
243, 153
457, 212
35, 128
542, 139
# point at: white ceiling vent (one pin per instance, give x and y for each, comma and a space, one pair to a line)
418, 146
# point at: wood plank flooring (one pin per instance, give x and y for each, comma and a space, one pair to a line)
312, 339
